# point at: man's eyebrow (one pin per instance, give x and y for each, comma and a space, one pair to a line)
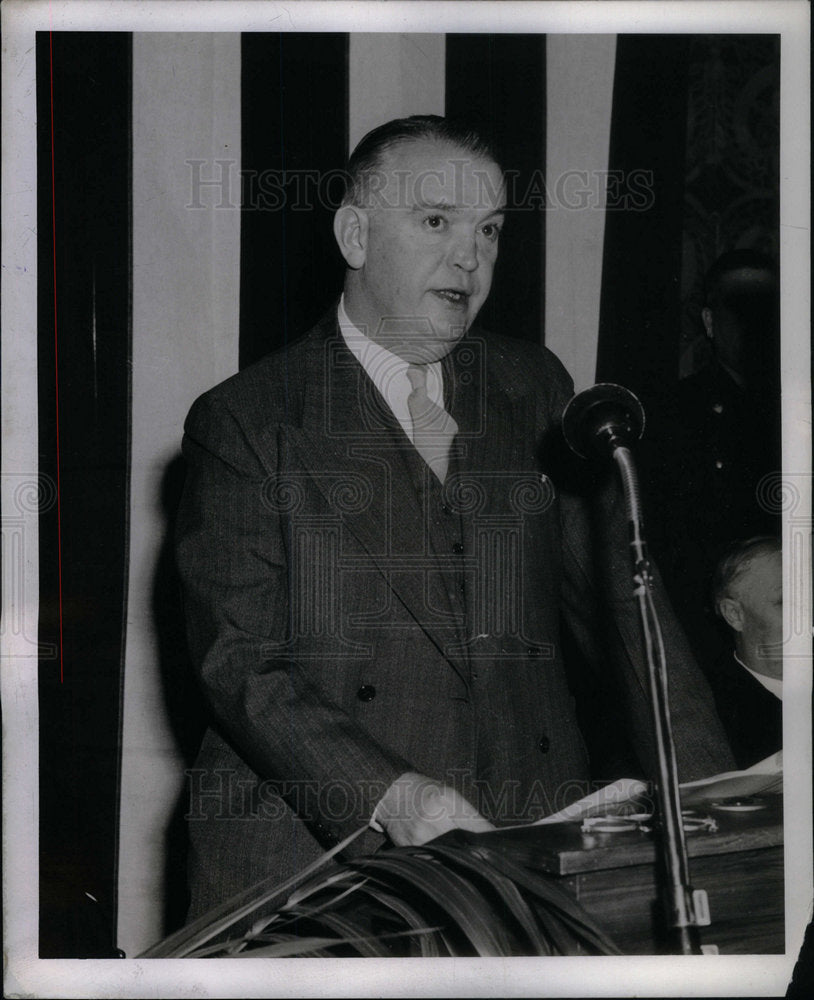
445, 206
440, 206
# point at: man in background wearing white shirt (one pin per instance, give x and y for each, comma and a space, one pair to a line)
748, 682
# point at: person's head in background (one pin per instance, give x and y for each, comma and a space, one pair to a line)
741, 316
747, 593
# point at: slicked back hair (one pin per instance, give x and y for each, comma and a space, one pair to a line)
736, 560
368, 157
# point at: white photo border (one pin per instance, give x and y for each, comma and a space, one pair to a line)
764, 975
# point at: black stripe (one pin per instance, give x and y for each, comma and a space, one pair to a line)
294, 96
80, 717
639, 323
499, 80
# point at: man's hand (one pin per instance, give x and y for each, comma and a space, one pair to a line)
415, 809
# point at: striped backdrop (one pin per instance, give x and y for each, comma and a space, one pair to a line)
159, 285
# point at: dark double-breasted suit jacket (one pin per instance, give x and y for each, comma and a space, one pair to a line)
350, 619
751, 715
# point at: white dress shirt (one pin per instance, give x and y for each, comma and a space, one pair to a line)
388, 371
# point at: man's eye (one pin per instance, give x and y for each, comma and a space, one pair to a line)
491, 231
435, 222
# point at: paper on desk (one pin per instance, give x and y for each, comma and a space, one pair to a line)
763, 778
629, 795
626, 795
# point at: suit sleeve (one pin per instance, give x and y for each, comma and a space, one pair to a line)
232, 559
602, 613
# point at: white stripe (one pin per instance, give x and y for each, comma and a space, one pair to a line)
18, 637
795, 367
579, 80
393, 76
186, 106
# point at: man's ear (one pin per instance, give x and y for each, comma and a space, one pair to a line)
706, 319
731, 612
350, 230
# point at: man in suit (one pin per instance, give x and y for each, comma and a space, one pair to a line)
377, 540
714, 440
748, 681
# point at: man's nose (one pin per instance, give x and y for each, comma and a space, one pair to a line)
465, 253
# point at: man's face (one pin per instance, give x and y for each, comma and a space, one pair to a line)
744, 323
429, 250
760, 592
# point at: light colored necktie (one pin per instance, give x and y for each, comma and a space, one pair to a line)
433, 427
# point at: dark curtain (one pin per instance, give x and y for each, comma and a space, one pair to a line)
499, 82
294, 148
640, 303
83, 411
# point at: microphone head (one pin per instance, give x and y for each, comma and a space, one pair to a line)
598, 420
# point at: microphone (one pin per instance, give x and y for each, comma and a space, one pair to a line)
601, 419
606, 420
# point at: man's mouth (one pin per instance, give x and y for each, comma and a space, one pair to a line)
453, 296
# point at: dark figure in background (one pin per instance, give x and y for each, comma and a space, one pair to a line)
747, 682
709, 445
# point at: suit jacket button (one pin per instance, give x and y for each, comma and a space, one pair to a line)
445, 508
457, 548
366, 692
544, 745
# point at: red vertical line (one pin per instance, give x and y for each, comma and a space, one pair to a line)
56, 355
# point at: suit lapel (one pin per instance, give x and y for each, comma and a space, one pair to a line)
493, 442
354, 451
496, 480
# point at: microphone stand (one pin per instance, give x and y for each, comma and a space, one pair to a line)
686, 909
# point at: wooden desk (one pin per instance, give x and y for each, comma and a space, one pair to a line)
613, 875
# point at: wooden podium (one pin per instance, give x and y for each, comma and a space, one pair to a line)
614, 876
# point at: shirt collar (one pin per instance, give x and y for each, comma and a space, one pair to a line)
387, 370
772, 684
